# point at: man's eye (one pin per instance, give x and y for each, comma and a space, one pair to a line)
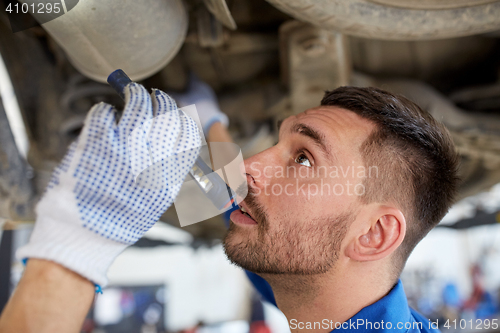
303, 160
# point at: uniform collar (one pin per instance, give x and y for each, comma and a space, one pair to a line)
391, 308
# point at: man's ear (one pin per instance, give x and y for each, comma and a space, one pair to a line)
379, 238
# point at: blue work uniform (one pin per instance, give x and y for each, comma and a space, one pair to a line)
389, 314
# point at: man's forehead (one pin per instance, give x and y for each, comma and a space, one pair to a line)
332, 121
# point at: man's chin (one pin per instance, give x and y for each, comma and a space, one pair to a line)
251, 256
238, 249
257, 258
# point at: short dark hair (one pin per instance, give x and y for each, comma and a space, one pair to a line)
415, 155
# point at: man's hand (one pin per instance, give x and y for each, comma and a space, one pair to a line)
113, 184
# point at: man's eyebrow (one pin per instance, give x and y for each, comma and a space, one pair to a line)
317, 137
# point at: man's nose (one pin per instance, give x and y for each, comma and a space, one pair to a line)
259, 168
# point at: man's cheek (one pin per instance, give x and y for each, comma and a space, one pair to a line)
291, 195
308, 189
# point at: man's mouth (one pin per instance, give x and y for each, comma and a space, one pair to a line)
243, 217
243, 210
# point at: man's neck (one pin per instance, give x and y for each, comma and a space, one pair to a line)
331, 297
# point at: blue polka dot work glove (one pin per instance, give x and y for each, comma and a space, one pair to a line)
114, 183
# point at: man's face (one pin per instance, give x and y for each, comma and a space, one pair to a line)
303, 193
